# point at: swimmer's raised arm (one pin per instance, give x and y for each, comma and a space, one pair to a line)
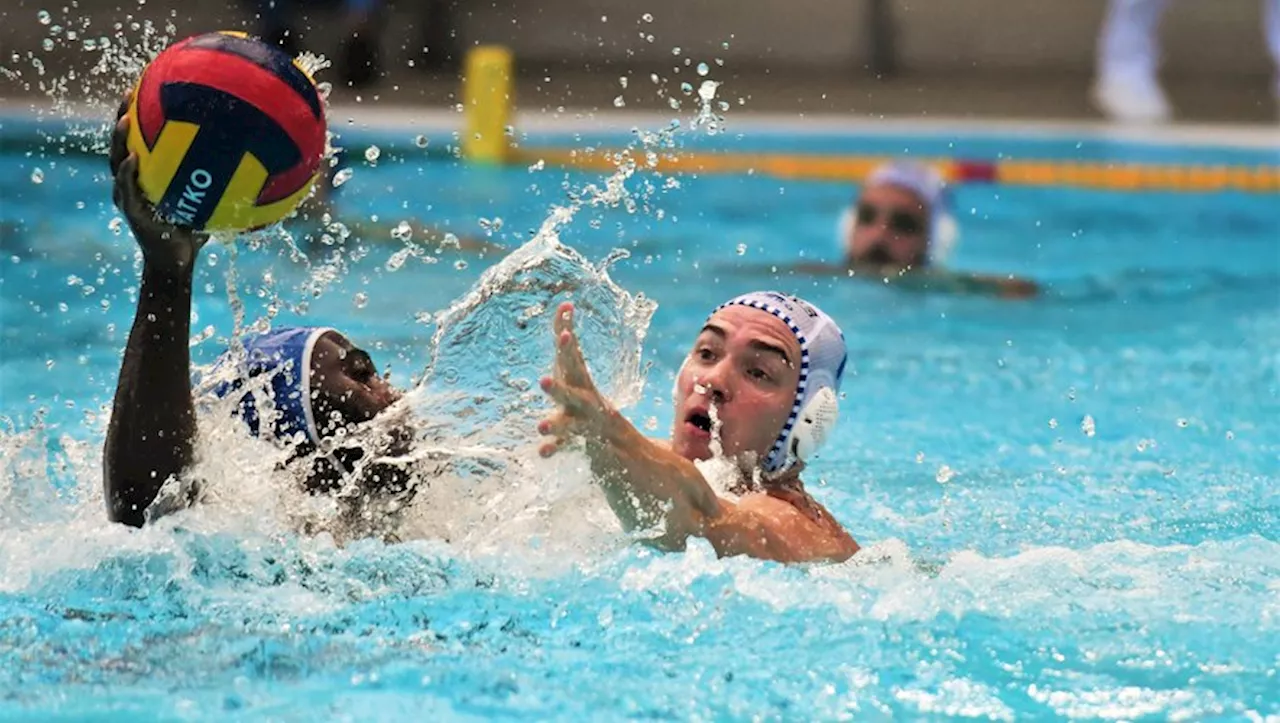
150, 437
646, 484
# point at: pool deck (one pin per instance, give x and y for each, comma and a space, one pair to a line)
856, 95
958, 93
1240, 113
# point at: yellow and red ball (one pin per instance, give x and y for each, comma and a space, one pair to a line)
229, 131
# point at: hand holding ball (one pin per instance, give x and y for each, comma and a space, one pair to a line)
229, 133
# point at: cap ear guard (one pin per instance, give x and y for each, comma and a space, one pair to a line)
943, 237
845, 226
816, 420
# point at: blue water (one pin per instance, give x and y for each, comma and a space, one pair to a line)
1016, 565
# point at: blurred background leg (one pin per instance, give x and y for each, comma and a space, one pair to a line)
1125, 87
882, 40
361, 53
1271, 26
439, 36
277, 24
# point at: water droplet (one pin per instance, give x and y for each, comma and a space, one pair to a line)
1182, 423
79, 204
1087, 426
37, 176
1053, 424
619, 102
460, 264
703, 69
541, 164
402, 232
651, 424
686, 88
742, 249
398, 258
47, 44
675, 50
420, 141
342, 177
371, 154
919, 457
360, 299
43, 17
116, 225
648, 18
1230, 435
623, 82
945, 474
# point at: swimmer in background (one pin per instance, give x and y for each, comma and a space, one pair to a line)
317, 381
759, 388
901, 229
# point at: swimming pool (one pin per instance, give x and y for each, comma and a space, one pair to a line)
1067, 505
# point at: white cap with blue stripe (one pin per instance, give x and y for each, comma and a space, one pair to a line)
822, 361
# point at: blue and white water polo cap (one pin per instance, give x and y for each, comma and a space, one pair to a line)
822, 361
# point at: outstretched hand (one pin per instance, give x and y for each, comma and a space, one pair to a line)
582, 411
162, 243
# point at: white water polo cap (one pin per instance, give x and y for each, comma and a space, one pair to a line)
925, 182
822, 361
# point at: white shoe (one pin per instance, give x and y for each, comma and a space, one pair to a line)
1130, 98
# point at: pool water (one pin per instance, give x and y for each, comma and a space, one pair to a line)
1067, 505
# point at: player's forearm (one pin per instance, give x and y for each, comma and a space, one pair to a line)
152, 428
647, 484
